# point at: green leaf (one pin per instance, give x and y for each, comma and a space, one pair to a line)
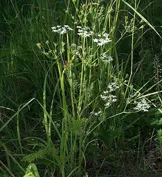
31, 171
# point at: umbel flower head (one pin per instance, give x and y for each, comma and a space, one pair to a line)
106, 58
142, 105
102, 40
112, 86
107, 95
84, 32
61, 29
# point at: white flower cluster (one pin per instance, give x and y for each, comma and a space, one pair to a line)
84, 32
112, 86
61, 29
96, 113
142, 105
107, 97
105, 58
102, 39
110, 100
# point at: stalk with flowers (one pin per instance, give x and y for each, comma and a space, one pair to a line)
83, 104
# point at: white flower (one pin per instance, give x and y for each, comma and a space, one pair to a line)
102, 40
61, 29
84, 32
96, 113
106, 35
108, 104
95, 40
142, 105
109, 58
104, 97
110, 100
80, 31
112, 86
106, 92
66, 26
105, 58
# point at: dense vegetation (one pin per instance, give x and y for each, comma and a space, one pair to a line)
80, 88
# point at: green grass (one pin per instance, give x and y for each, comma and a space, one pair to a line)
72, 105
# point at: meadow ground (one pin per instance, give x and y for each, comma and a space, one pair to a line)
80, 88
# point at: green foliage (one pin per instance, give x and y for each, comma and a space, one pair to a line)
31, 171
90, 86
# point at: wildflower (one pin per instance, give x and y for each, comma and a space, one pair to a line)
106, 35
102, 40
84, 32
110, 100
96, 113
104, 97
105, 58
108, 104
112, 86
107, 97
142, 105
106, 92
61, 29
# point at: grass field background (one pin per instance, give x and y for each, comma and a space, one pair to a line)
80, 88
